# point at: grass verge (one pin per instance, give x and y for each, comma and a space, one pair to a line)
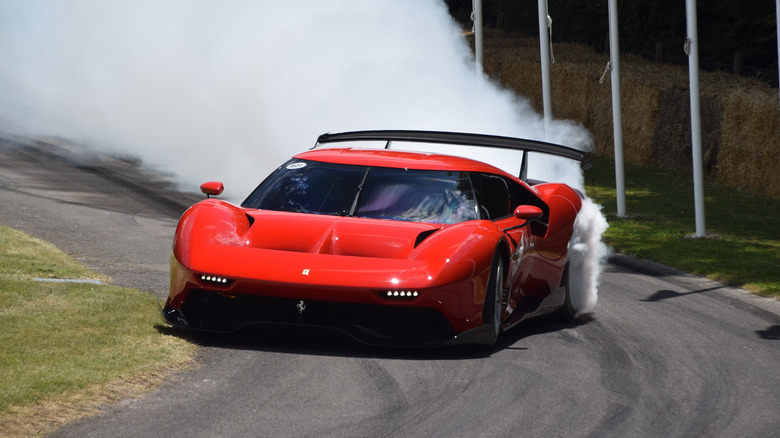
67, 348
743, 243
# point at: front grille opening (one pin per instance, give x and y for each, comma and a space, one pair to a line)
369, 323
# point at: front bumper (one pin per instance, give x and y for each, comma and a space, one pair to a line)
373, 324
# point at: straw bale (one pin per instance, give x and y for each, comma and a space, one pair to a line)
750, 153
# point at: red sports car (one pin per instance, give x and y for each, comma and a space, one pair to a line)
391, 247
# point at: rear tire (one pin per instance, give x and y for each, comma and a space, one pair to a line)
566, 313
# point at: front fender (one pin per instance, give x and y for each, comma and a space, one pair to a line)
461, 252
208, 221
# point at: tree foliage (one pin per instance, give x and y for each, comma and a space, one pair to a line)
725, 27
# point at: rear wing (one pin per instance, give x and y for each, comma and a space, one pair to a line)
464, 139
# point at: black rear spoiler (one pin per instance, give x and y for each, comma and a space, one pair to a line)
464, 139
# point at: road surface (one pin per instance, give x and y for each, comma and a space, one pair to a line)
664, 355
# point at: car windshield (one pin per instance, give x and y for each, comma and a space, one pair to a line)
434, 196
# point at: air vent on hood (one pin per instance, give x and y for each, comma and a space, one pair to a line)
424, 235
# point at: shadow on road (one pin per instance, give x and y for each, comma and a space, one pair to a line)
772, 333
666, 294
330, 342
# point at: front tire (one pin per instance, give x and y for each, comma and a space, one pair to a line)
494, 297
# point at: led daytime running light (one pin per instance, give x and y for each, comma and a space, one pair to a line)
213, 279
402, 294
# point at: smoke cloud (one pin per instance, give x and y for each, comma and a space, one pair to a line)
227, 91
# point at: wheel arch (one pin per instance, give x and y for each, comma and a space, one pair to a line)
503, 248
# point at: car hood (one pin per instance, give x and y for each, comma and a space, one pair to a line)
336, 235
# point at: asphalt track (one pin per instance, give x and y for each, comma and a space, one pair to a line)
664, 355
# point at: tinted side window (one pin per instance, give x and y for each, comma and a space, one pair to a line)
499, 196
492, 195
523, 196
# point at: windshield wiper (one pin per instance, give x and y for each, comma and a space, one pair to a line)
356, 201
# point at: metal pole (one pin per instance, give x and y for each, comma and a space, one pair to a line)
544, 49
617, 112
777, 23
692, 46
476, 17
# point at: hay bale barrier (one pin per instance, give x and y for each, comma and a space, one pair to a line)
749, 156
739, 116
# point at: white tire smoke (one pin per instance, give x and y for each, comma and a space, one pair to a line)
587, 255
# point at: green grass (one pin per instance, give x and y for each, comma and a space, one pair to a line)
743, 243
58, 340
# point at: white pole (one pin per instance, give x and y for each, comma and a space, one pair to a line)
476, 17
544, 49
617, 112
777, 22
692, 46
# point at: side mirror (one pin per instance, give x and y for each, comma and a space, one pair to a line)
212, 188
528, 212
